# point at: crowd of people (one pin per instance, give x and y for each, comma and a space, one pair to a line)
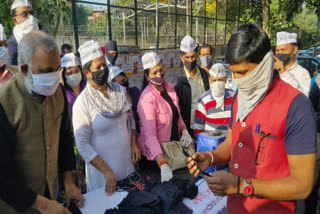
71, 124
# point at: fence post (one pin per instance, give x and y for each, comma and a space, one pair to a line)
136, 20
109, 21
75, 23
157, 26
175, 24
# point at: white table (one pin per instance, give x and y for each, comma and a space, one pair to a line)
98, 202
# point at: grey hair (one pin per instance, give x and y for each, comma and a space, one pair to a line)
31, 42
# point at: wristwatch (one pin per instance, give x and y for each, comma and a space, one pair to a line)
248, 189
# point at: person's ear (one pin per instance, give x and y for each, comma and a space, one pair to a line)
15, 21
24, 69
295, 50
88, 74
181, 58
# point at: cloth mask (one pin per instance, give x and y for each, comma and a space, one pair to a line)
158, 80
74, 79
43, 84
29, 25
285, 58
206, 60
111, 58
125, 84
100, 77
254, 86
218, 92
190, 65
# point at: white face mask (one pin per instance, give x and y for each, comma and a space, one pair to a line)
217, 88
43, 84
29, 25
206, 60
74, 79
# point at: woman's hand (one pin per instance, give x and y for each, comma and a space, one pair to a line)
135, 152
111, 182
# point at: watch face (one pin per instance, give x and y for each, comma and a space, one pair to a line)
248, 190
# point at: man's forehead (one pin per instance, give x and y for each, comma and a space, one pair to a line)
283, 46
191, 53
23, 8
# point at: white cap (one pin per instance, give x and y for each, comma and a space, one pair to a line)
284, 37
20, 3
89, 51
188, 44
149, 60
114, 71
2, 33
218, 70
69, 60
4, 56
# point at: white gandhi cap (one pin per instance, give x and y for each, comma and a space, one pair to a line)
2, 33
89, 51
218, 70
149, 60
284, 37
70, 60
114, 71
20, 3
188, 44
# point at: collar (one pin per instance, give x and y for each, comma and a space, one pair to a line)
293, 66
226, 94
198, 75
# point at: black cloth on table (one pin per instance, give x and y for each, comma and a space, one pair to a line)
175, 116
158, 198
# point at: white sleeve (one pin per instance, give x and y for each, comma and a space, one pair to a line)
82, 130
304, 79
291, 80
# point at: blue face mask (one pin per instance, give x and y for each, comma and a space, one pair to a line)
206, 60
74, 79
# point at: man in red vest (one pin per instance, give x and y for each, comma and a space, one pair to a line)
271, 141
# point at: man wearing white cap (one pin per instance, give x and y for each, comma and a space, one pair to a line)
24, 21
100, 118
214, 106
193, 84
36, 132
285, 62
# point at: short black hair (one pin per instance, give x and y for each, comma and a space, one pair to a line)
86, 67
66, 46
183, 53
145, 81
205, 45
249, 43
14, 12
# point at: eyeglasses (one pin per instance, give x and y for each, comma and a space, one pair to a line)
262, 143
185, 152
25, 14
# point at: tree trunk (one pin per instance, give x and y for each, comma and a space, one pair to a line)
266, 16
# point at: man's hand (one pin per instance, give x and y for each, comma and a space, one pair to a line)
278, 65
135, 152
222, 183
111, 182
46, 206
72, 192
198, 161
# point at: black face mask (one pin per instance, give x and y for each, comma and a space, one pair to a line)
100, 77
125, 84
190, 65
285, 58
111, 58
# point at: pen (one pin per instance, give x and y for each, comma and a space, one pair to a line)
258, 128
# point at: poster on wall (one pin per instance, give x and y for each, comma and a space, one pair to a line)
119, 62
127, 65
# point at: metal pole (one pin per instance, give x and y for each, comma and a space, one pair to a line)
75, 23
225, 24
136, 21
187, 2
205, 22
191, 19
142, 40
175, 24
109, 21
157, 26
124, 28
239, 13
216, 22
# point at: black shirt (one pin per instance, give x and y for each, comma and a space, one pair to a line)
13, 189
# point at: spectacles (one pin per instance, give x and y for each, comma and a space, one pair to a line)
185, 152
25, 14
260, 156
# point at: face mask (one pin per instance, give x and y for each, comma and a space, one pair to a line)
29, 25
100, 77
74, 79
158, 80
125, 84
285, 58
206, 60
217, 88
111, 58
190, 65
43, 84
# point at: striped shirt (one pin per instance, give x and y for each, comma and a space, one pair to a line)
208, 117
